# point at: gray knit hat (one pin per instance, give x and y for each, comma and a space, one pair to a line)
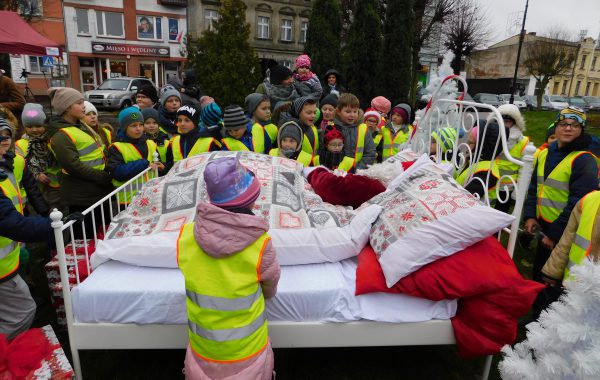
299, 103
62, 98
150, 113
234, 118
167, 94
33, 114
4, 124
293, 130
253, 100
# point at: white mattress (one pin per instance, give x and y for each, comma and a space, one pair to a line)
121, 293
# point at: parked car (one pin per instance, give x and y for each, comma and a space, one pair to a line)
578, 101
558, 102
517, 101
531, 101
593, 102
116, 93
491, 99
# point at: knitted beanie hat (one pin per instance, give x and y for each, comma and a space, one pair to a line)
190, 112
331, 133
330, 99
381, 104
402, 112
212, 116
298, 104
292, 130
149, 91
61, 98
5, 125
372, 112
574, 113
229, 184
89, 107
234, 117
278, 74
33, 114
129, 116
150, 113
302, 61
253, 101
167, 94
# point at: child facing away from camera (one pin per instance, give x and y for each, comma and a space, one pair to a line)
230, 267
382, 105
289, 141
104, 130
258, 107
241, 134
132, 153
154, 132
359, 149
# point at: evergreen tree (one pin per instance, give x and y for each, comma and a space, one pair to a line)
323, 35
398, 33
226, 63
363, 51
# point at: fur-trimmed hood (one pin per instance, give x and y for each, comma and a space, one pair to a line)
513, 111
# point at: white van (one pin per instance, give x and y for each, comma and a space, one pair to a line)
558, 102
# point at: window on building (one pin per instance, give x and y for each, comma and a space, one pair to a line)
35, 66
149, 27
303, 31
583, 58
587, 88
109, 24
564, 89
594, 63
286, 30
83, 23
210, 16
263, 27
173, 29
287, 64
30, 7
577, 86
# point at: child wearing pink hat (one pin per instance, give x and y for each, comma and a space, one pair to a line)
218, 254
382, 105
307, 83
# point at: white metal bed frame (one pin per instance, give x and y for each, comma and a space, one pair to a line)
88, 336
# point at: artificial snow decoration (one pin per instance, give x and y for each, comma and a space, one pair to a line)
565, 342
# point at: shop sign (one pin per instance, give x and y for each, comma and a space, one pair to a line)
107, 48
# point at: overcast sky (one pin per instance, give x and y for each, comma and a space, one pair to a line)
570, 15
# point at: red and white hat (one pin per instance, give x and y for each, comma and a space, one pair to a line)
372, 112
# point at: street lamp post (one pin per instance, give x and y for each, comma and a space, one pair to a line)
521, 37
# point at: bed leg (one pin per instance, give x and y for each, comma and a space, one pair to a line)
76, 364
486, 367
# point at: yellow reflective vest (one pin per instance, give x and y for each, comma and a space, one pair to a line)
508, 168
9, 249
271, 131
18, 170
91, 152
553, 191
258, 141
21, 147
349, 163
303, 158
392, 145
482, 166
226, 309
582, 244
311, 147
202, 145
130, 153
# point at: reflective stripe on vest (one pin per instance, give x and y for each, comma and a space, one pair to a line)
225, 305
108, 135
18, 170
582, 244
21, 147
377, 139
508, 168
91, 153
553, 192
130, 154
9, 249
445, 138
391, 146
202, 145
348, 163
311, 147
303, 157
258, 141
162, 150
271, 131
482, 166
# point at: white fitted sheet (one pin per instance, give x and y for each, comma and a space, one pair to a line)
121, 293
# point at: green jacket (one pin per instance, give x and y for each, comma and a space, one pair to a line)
83, 186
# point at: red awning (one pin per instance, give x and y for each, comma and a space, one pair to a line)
18, 37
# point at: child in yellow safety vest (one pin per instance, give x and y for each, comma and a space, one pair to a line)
397, 131
332, 154
33, 119
289, 141
372, 118
155, 133
241, 134
230, 267
258, 107
304, 110
132, 154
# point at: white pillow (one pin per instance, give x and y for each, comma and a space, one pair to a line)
427, 216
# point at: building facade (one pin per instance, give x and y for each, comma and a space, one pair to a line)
115, 38
278, 28
493, 68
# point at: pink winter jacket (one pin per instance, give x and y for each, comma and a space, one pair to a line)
221, 233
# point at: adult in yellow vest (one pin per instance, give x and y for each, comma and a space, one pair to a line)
564, 173
289, 140
241, 134
132, 154
230, 268
258, 107
397, 131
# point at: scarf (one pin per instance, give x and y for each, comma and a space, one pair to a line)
304, 77
331, 160
279, 93
39, 158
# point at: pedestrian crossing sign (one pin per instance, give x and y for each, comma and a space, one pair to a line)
47, 61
